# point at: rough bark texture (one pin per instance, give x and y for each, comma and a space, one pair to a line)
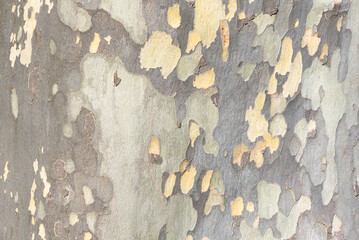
164, 119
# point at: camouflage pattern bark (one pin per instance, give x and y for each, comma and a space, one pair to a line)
179, 119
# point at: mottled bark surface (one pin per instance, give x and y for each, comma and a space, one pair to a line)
157, 119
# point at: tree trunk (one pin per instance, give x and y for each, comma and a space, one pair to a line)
186, 119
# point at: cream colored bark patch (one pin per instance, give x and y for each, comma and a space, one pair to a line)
173, 16
95, 43
256, 154
339, 23
87, 236
14, 103
232, 8
194, 132
47, 185
241, 15
35, 166
214, 199
6, 171
278, 126
250, 207
337, 225
155, 147
237, 207
88, 195
193, 39
207, 14
206, 181
283, 65
238, 153
290, 87
159, 52
223, 24
183, 166
73, 218
91, 219
187, 180
55, 89
258, 125
31, 10
32, 206
324, 52
108, 39
310, 40
268, 196
205, 80
278, 104
42, 232
169, 185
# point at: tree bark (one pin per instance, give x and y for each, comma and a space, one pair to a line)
186, 119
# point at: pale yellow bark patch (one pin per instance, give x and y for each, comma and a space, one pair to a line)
6, 171
310, 40
256, 154
278, 104
237, 207
169, 185
324, 52
232, 8
204, 80
42, 232
47, 185
183, 166
158, 52
214, 199
155, 147
206, 181
108, 39
290, 87
173, 16
193, 39
88, 195
35, 165
238, 153
207, 15
337, 224
339, 23
95, 43
32, 205
14, 103
283, 65
73, 218
296, 24
250, 207
258, 125
241, 15
87, 236
225, 39
187, 180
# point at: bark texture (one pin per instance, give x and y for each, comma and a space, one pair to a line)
179, 119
